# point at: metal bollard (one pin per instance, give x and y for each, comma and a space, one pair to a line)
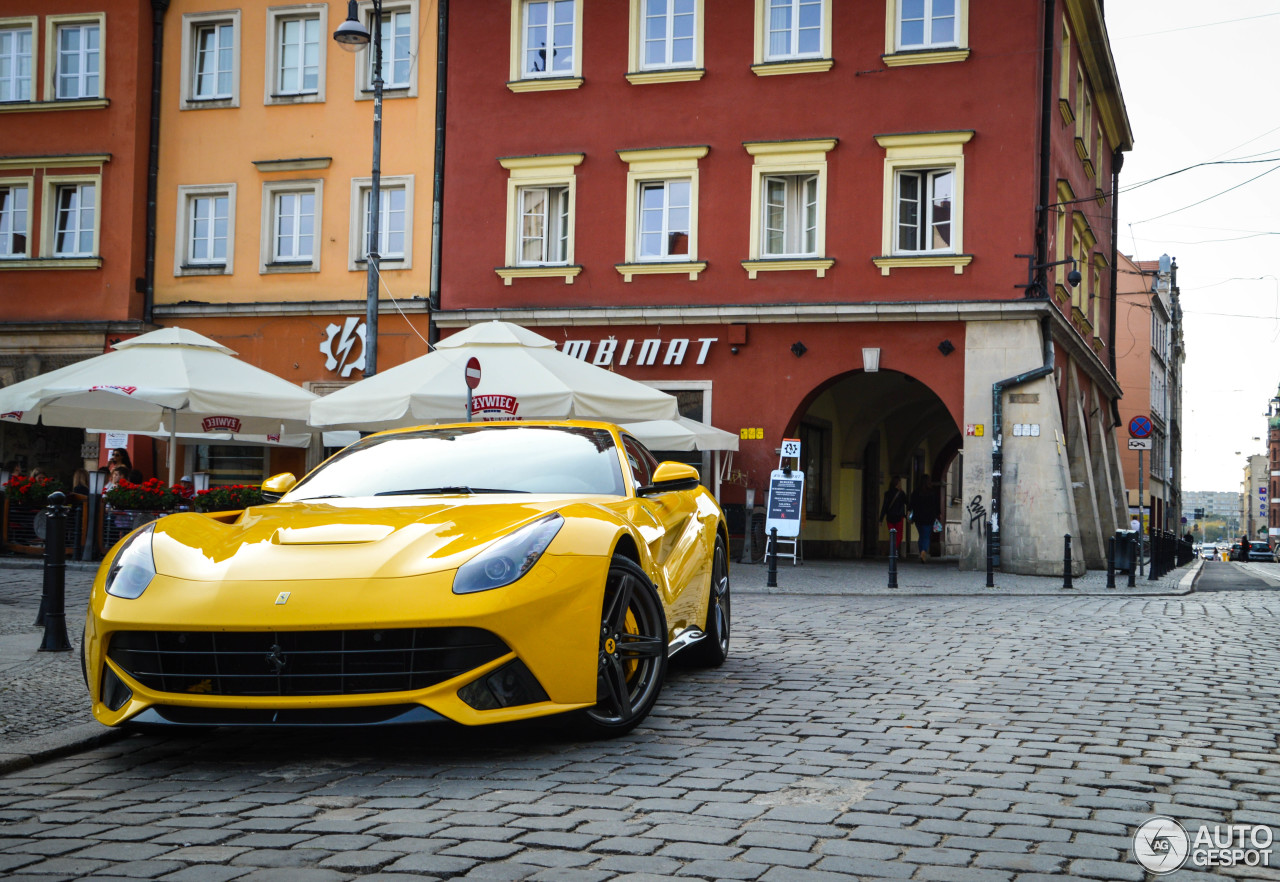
55, 580
1157, 553
772, 581
893, 558
1066, 561
1134, 551
991, 568
1111, 562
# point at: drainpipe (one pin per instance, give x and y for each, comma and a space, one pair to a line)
1042, 250
1117, 163
437, 189
158, 9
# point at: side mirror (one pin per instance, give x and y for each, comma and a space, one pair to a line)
670, 476
277, 485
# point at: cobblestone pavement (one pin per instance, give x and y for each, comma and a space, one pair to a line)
975, 739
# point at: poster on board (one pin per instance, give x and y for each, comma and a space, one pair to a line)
786, 503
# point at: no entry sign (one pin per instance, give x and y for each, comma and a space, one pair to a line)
473, 372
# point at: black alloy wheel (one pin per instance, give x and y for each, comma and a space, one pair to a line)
712, 650
632, 658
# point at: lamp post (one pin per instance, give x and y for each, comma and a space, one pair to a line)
353, 36
97, 480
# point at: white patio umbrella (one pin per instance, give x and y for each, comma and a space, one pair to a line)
681, 433
172, 379
521, 376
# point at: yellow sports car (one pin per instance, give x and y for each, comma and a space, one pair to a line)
481, 573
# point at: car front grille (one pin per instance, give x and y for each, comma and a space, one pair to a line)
301, 662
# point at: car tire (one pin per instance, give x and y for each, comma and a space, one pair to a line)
712, 650
631, 662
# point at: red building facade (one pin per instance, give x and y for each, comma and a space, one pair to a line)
817, 220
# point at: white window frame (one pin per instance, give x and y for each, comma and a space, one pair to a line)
7, 236
364, 58
652, 166
192, 23
664, 187
53, 185
54, 25
268, 263
926, 180
183, 262
768, 64
792, 160
799, 191
898, 55
522, 80
277, 17
927, 22
361, 190
17, 26
555, 220
924, 151
640, 21
539, 172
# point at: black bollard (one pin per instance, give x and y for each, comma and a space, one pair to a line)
893, 558
1134, 551
1111, 562
991, 560
772, 581
55, 579
1153, 570
1066, 561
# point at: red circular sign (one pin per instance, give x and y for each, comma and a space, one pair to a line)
1140, 427
473, 372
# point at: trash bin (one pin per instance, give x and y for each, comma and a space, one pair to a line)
1126, 550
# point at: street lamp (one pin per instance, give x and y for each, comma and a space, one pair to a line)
353, 36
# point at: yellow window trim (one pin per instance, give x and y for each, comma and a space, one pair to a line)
780, 68
693, 268
1078, 314
653, 164
51, 263
818, 265
517, 80
539, 171
1068, 115
507, 273
1065, 197
51, 25
926, 56
638, 75
29, 182
84, 160
787, 158
762, 17
922, 150
38, 106
891, 32
550, 84
646, 78
956, 261
1061, 294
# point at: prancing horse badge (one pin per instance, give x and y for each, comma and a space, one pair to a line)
282, 598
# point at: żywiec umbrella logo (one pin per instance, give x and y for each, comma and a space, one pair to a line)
127, 390
495, 407
221, 424
12, 415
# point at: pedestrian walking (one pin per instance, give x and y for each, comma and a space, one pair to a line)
924, 514
893, 509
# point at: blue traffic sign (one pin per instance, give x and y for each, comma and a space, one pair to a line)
1140, 427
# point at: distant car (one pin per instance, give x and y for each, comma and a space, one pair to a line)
1235, 551
1209, 552
1261, 551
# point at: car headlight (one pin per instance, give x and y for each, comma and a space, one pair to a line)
134, 566
508, 559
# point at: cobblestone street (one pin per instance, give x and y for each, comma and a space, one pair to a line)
931, 738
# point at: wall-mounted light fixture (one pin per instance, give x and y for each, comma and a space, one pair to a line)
1037, 288
946, 347
871, 360
798, 349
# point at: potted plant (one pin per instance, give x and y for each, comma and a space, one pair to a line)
228, 498
25, 492
151, 495
25, 501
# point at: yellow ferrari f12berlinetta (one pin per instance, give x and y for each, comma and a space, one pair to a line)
479, 573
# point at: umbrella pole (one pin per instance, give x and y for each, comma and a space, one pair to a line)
173, 445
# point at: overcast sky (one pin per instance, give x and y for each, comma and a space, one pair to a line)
1199, 81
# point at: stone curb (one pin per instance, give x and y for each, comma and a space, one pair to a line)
42, 748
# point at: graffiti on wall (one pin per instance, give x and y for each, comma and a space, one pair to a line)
977, 512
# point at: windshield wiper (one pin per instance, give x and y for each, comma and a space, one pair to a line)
441, 491
326, 496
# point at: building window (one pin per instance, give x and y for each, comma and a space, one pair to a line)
296, 54
790, 222
210, 60
668, 35
788, 206
662, 211
395, 222
14, 220
544, 226
15, 63
540, 216
291, 211
926, 24
794, 29
399, 51
815, 445
546, 41
205, 230
78, 62
923, 200
74, 221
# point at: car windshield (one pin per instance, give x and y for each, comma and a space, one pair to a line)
471, 459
